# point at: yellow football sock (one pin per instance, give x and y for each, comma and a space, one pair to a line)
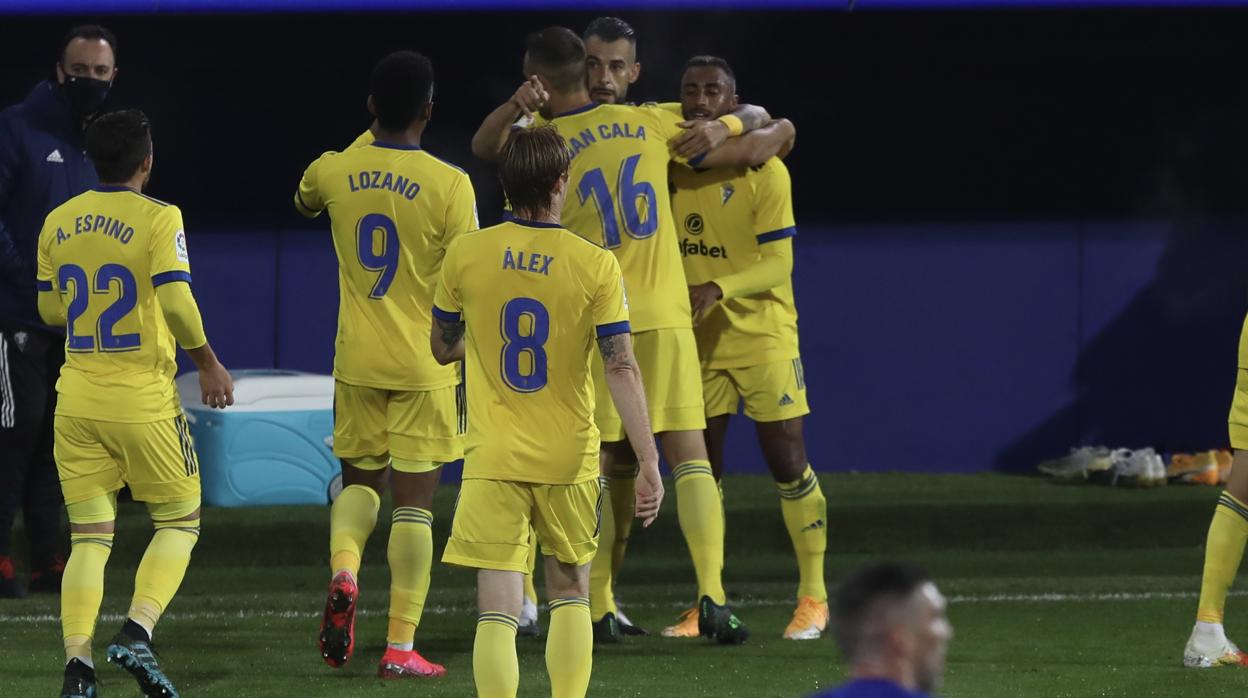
162, 569
410, 553
530, 590
623, 502
1223, 551
601, 593
82, 590
569, 648
805, 512
495, 669
701, 514
351, 520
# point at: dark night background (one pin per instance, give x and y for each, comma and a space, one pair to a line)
1021, 231
901, 115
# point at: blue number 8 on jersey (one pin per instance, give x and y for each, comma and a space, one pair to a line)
526, 327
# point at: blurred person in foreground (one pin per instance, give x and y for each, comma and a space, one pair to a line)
890, 624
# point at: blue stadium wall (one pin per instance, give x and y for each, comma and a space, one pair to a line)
927, 347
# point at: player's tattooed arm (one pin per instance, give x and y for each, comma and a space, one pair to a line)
704, 135
447, 340
624, 383
754, 148
752, 117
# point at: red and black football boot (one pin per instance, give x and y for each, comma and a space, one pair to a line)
338, 622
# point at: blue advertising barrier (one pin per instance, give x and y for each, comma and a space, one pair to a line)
927, 347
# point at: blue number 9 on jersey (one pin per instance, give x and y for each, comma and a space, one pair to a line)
365, 244
526, 327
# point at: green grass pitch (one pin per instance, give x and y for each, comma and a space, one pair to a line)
1055, 591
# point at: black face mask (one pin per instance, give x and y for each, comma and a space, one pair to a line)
85, 95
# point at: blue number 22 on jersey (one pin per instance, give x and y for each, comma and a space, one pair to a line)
108, 277
520, 343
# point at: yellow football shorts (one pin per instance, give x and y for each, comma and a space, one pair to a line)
493, 518
671, 374
415, 426
772, 392
156, 459
1238, 420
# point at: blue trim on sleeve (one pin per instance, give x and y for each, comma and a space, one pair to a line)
446, 315
613, 328
578, 110
168, 277
774, 235
43, 285
694, 162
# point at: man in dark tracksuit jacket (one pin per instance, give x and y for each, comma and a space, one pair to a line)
42, 165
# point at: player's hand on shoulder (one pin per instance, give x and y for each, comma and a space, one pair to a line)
531, 96
649, 491
699, 138
216, 386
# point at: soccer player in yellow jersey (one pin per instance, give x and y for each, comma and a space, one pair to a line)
1208, 646
524, 302
619, 165
611, 67
113, 270
398, 414
736, 226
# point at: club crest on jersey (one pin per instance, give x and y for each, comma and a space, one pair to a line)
725, 193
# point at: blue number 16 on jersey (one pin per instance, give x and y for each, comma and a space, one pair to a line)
525, 326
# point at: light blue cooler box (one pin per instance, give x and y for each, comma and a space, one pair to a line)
273, 446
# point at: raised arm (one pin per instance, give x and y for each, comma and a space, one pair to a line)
489, 139
752, 149
624, 382
704, 136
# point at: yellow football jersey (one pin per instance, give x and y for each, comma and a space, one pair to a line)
393, 211
620, 200
533, 297
725, 216
105, 251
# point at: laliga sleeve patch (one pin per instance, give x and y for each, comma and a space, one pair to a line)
179, 246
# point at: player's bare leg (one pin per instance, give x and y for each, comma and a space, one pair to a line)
352, 519
495, 667
700, 510
570, 642
805, 511
1208, 645
410, 554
